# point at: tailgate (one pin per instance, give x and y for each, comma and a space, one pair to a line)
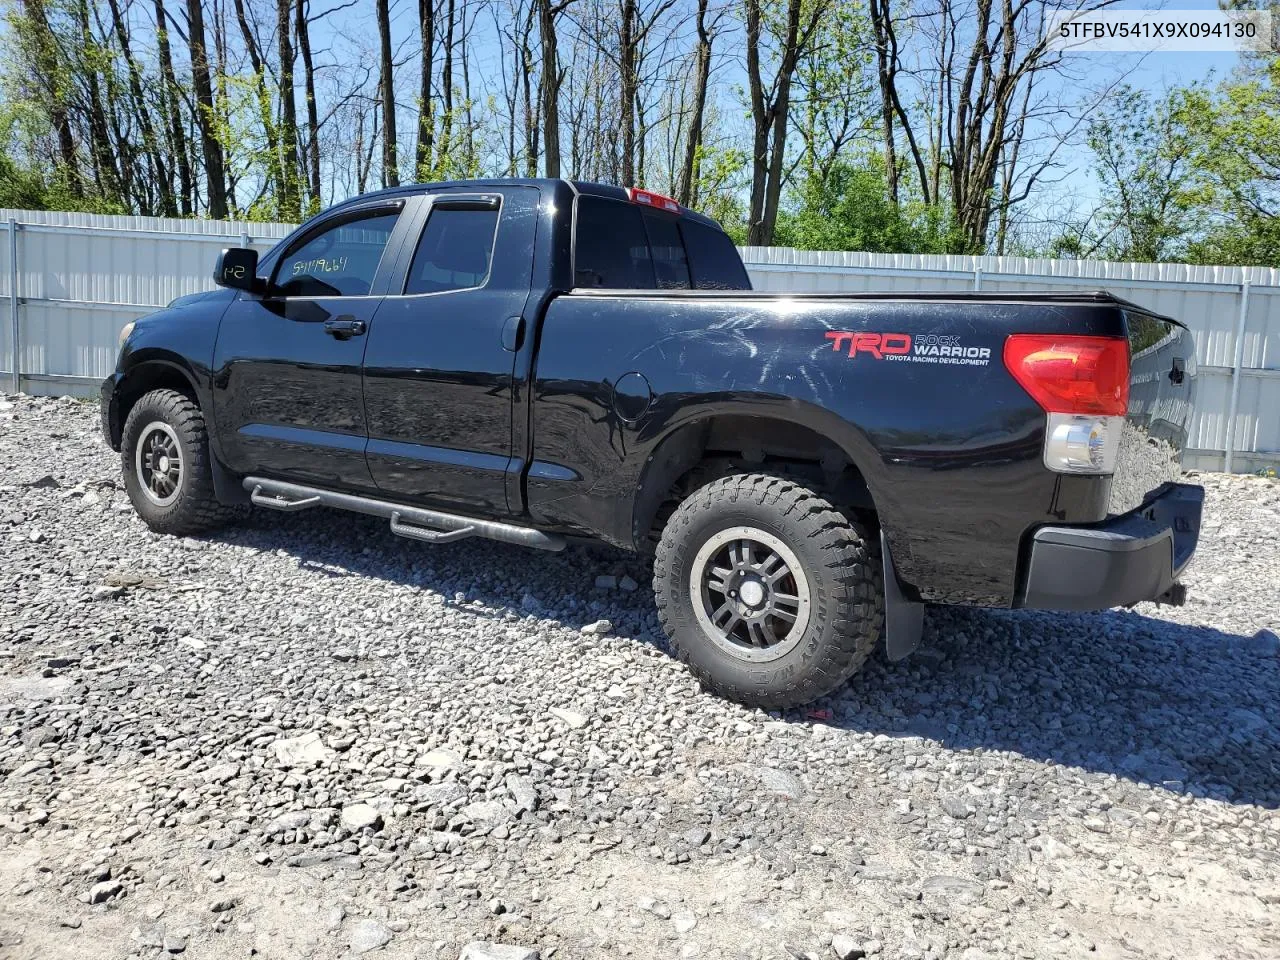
1162, 372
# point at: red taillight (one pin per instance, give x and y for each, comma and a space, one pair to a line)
1064, 374
650, 199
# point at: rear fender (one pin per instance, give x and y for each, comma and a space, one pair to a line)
683, 439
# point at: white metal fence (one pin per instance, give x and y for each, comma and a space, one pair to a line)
68, 282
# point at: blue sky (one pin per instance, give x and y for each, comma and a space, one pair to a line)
352, 34
1152, 72
349, 36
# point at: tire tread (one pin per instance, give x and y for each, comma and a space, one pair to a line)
857, 610
197, 508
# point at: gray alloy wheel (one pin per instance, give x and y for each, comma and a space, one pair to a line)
167, 466
158, 463
752, 594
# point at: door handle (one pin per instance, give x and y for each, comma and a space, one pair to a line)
1178, 373
344, 327
512, 334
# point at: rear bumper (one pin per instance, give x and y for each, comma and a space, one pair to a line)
1126, 559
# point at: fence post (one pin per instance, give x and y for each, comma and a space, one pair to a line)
977, 278
15, 347
244, 239
1237, 368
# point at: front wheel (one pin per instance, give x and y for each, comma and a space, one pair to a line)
770, 595
164, 451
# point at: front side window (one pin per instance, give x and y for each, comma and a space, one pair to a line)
455, 251
339, 262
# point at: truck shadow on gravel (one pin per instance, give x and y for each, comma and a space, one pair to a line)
1181, 707
1148, 700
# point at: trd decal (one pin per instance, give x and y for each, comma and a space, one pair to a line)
878, 345
920, 348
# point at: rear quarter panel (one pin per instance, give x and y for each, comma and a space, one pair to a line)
1160, 401
950, 448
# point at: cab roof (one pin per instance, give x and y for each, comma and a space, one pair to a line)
577, 187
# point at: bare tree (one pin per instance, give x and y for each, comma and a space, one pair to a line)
211, 146
313, 118
426, 109
532, 105
701, 76
986, 55
159, 171
444, 149
274, 174
289, 202
387, 97
548, 14
171, 98
770, 105
635, 25
102, 154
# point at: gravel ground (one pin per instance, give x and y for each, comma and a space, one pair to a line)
304, 737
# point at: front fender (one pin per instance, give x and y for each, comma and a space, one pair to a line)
172, 348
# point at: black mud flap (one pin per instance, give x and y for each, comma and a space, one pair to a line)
903, 618
227, 488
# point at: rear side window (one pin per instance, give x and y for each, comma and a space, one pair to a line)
670, 267
713, 259
611, 249
455, 251
338, 262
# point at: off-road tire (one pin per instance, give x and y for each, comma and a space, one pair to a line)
195, 508
839, 558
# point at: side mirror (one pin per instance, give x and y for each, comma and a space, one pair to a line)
237, 268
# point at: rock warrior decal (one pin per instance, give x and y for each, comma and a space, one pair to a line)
920, 348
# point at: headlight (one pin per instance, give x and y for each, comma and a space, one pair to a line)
124, 333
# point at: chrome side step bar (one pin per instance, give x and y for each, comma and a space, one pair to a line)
416, 523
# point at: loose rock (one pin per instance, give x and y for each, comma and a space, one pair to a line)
360, 816
368, 935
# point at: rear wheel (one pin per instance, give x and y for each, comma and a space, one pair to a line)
164, 452
771, 595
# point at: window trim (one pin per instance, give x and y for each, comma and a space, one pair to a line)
353, 214
480, 202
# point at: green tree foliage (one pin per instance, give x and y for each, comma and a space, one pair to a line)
1233, 137
860, 124
1191, 176
1143, 167
20, 188
850, 209
835, 83
26, 186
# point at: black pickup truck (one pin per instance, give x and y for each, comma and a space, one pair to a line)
536, 361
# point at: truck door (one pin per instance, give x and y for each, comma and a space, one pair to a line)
438, 370
287, 383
